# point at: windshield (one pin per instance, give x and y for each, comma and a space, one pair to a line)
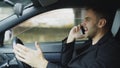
24, 2
7, 10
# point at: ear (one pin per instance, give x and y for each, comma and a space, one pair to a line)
102, 23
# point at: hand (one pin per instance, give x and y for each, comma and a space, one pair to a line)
75, 34
31, 57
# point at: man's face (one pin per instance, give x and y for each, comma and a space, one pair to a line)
90, 24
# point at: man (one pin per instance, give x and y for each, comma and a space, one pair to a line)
100, 51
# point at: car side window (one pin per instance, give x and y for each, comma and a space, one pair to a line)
5, 10
51, 26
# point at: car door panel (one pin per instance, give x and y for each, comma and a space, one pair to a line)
51, 51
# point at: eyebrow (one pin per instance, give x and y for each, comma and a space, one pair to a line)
87, 18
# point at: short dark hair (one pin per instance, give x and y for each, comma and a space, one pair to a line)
104, 12
107, 13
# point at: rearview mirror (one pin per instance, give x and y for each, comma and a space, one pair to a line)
43, 3
47, 2
18, 9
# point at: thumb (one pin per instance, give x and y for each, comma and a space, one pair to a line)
37, 46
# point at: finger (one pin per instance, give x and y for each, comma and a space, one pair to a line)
79, 27
20, 50
76, 28
22, 47
18, 53
37, 46
21, 59
17, 48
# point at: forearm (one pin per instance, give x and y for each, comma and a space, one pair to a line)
70, 39
67, 52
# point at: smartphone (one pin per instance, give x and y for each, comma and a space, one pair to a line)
82, 30
17, 40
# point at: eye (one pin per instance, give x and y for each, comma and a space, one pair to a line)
87, 19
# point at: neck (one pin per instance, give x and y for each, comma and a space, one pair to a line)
96, 38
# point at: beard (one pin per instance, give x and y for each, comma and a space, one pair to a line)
92, 33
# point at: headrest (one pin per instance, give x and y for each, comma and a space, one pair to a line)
117, 36
116, 23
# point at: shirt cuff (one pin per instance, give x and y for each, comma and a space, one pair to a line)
52, 65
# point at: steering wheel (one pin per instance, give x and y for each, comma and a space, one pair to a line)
8, 62
20, 64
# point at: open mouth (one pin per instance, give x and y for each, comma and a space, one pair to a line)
85, 29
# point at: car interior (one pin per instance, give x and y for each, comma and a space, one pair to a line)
51, 50
116, 25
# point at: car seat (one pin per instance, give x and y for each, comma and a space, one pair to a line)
116, 26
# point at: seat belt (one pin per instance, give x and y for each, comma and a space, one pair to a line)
116, 23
